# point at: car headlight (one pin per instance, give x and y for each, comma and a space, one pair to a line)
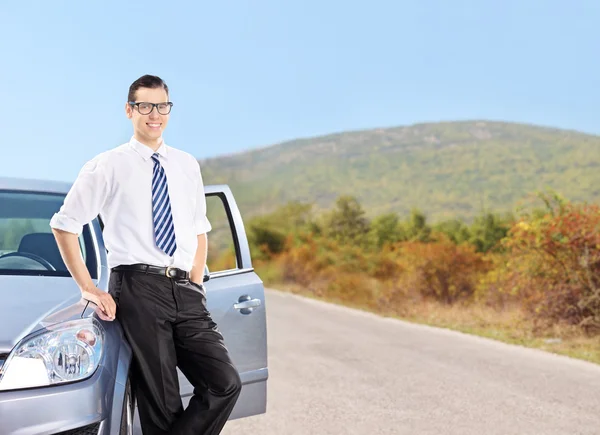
65, 352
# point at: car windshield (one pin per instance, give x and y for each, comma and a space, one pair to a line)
27, 245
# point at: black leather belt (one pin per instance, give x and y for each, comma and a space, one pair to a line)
169, 271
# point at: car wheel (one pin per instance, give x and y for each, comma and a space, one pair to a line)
128, 411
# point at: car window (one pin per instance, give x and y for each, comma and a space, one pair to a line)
27, 245
222, 252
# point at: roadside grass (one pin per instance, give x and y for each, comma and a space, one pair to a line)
509, 325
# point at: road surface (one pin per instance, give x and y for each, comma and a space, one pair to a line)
333, 370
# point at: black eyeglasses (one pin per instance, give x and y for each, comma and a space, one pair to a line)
147, 108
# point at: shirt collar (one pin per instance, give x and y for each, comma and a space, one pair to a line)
145, 151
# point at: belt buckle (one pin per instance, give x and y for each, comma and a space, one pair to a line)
168, 271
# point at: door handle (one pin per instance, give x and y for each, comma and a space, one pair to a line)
245, 304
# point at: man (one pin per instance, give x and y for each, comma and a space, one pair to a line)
150, 197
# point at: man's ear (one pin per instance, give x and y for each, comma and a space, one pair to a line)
128, 110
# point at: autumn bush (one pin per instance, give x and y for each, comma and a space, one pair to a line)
440, 270
547, 263
554, 267
327, 268
396, 274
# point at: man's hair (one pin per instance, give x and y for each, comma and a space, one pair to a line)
146, 81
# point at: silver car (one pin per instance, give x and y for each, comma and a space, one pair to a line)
65, 371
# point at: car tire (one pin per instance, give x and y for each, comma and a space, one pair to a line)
128, 412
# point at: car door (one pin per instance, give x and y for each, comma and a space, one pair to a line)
236, 300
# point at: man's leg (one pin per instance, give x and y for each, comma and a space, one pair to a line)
204, 360
145, 309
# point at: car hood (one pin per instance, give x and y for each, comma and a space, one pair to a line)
29, 303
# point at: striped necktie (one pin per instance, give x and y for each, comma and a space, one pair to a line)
164, 230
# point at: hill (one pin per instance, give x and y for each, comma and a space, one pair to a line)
447, 170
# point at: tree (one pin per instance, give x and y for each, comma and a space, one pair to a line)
487, 230
386, 229
455, 229
416, 227
264, 239
347, 223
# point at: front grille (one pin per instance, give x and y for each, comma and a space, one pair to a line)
91, 429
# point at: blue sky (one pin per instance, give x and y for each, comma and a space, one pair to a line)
246, 74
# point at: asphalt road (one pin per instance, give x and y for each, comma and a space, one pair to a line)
334, 370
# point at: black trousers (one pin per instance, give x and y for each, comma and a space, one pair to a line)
167, 325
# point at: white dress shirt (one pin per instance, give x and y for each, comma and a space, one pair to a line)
117, 185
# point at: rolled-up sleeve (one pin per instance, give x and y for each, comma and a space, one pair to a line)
85, 198
201, 222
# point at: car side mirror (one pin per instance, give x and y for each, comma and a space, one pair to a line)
206, 273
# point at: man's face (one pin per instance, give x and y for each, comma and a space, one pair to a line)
148, 128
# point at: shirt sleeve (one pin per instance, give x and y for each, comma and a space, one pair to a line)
200, 220
84, 200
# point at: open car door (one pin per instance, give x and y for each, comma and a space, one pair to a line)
236, 301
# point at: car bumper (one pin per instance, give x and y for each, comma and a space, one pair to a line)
84, 405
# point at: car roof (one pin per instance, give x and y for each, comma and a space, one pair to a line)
34, 185
58, 187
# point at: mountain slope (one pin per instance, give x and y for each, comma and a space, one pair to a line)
453, 169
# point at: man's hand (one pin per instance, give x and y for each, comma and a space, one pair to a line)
107, 308
70, 251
